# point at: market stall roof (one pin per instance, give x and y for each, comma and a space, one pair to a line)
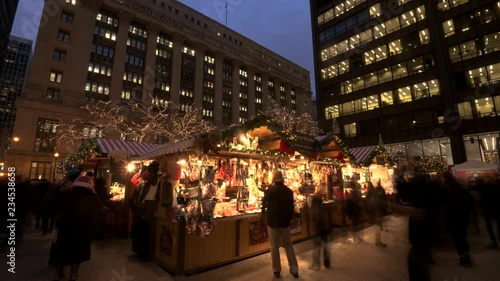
165, 149
474, 165
135, 148
361, 153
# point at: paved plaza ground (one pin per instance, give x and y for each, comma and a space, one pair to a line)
112, 260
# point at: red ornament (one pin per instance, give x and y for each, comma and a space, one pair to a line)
285, 148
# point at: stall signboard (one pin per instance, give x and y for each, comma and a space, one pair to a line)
257, 232
303, 144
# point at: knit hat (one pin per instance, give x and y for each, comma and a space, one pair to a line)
277, 176
84, 181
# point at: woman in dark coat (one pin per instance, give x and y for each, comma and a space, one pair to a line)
376, 203
78, 208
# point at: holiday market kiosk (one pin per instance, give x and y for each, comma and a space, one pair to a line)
219, 182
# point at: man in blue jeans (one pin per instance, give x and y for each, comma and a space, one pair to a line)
277, 208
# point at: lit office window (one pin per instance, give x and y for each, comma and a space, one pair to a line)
332, 112
465, 110
448, 28
386, 98
484, 107
72, 2
404, 94
424, 36
56, 76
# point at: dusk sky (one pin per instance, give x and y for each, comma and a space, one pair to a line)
283, 26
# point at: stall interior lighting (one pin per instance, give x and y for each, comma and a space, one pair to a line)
181, 162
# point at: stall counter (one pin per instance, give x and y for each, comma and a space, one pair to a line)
234, 238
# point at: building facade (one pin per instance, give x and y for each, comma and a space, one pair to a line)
12, 78
7, 13
142, 50
422, 74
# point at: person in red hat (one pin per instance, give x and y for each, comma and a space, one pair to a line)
78, 208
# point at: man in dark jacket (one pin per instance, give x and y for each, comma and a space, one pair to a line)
277, 207
321, 217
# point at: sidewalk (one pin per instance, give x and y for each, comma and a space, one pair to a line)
112, 260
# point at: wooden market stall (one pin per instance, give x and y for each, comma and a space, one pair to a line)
218, 187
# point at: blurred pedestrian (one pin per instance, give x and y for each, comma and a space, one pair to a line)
103, 194
458, 208
353, 212
376, 209
489, 196
321, 217
78, 208
418, 202
277, 209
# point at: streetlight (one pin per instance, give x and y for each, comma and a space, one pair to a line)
55, 167
15, 140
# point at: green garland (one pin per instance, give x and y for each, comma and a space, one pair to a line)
84, 152
320, 145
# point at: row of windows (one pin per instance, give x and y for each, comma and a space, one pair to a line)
67, 17
479, 108
258, 88
208, 98
338, 10
103, 50
138, 31
243, 95
105, 33
107, 19
402, 95
187, 93
99, 68
209, 70
133, 77
243, 73
243, 83
160, 102
97, 87
377, 54
208, 84
243, 108
396, 71
209, 59
188, 50
444, 5
44, 136
375, 32
134, 60
56, 76
131, 94
484, 75
226, 103
208, 112
474, 48
471, 20
163, 40
164, 53
59, 55
162, 86
136, 43
72, 2
63, 36
53, 94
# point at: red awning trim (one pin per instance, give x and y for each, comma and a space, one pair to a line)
166, 149
360, 153
135, 148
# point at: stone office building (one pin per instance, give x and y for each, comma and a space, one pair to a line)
112, 50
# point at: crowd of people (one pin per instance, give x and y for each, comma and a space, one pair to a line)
72, 211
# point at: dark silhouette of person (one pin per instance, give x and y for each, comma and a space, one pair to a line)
353, 212
102, 192
321, 217
458, 208
144, 202
277, 209
376, 208
489, 193
417, 197
78, 207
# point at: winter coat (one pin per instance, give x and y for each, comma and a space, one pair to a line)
79, 208
459, 206
321, 216
376, 203
277, 205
